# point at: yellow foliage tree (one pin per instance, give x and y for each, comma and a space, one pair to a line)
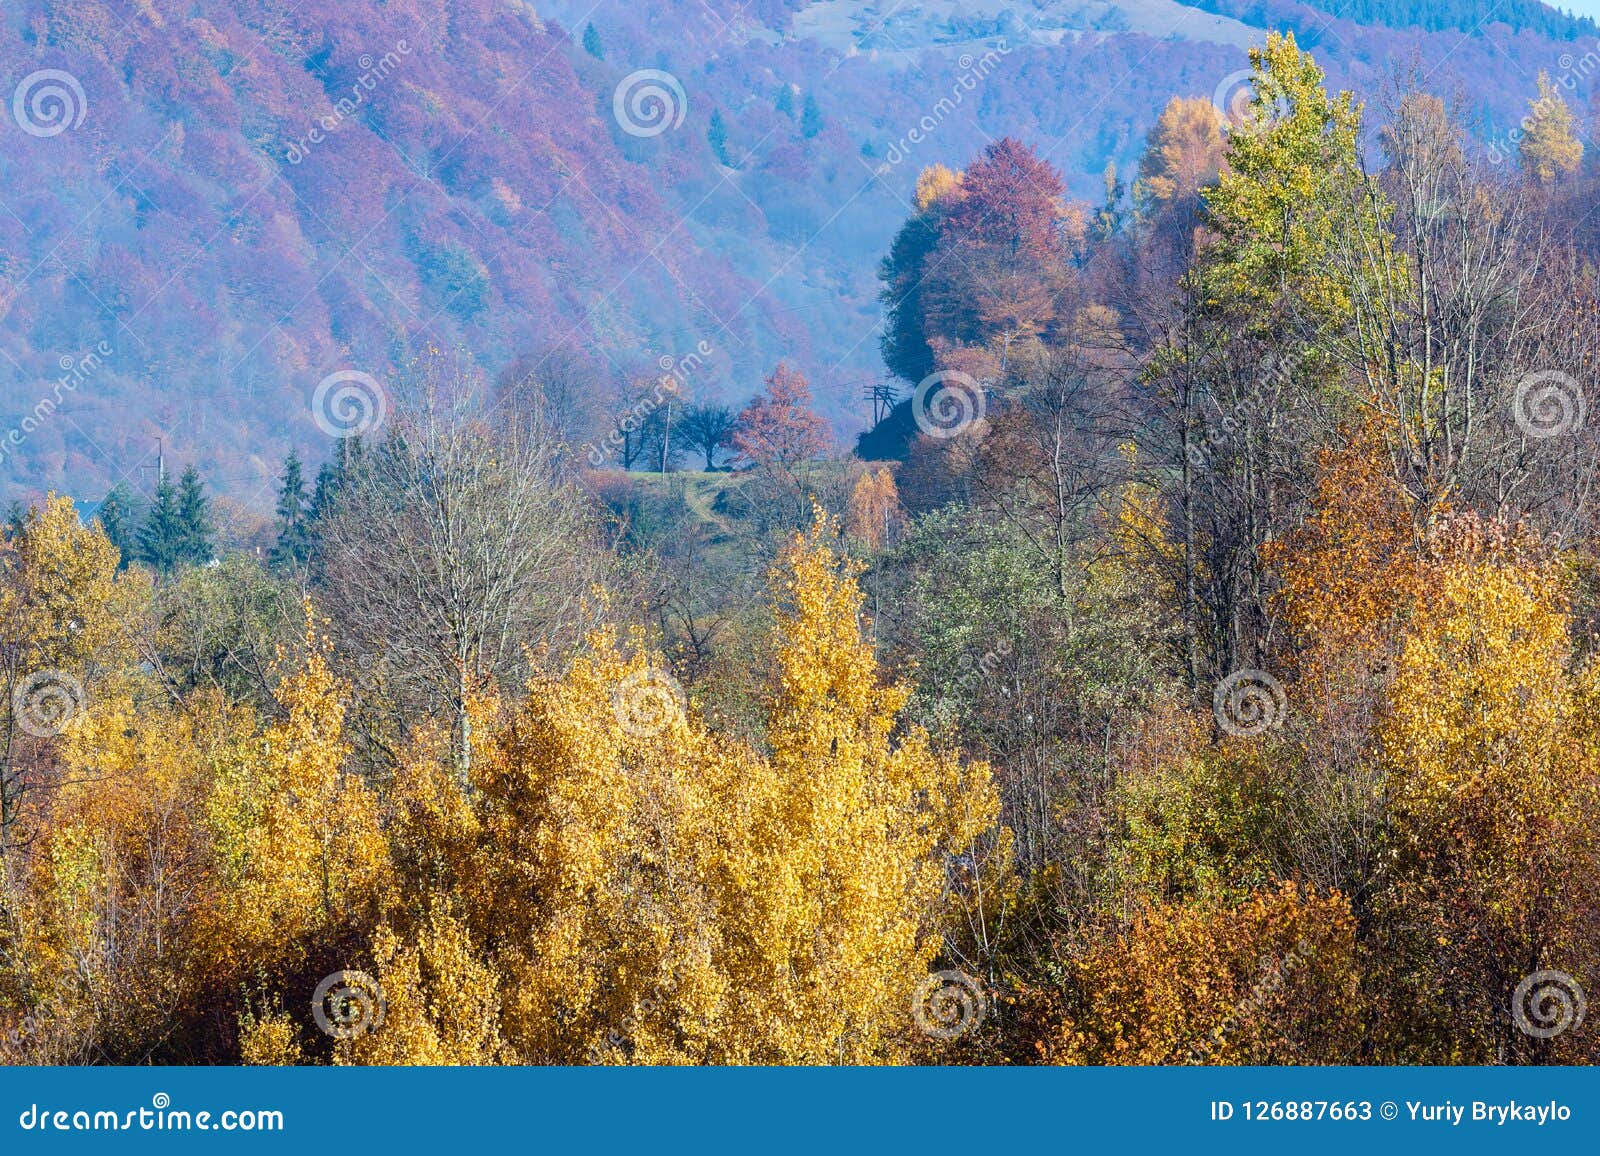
1352, 571
1549, 149
1489, 745
1184, 149
645, 889
103, 958
66, 620
934, 184
302, 862
874, 514
440, 1001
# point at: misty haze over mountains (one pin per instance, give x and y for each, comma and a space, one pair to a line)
245, 198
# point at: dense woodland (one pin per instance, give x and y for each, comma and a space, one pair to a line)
1198, 667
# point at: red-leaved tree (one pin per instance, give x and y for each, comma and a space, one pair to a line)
779, 427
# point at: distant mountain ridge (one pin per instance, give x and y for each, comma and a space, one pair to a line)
1431, 15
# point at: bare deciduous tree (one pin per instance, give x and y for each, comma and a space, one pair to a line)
564, 387
456, 550
1463, 309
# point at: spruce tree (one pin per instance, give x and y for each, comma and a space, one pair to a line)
717, 137
116, 518
194, 519
294, 529
810, 118
332, 477
325, 491
591, 42
161, 536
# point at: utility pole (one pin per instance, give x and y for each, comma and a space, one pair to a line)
666, 437
161, 463
883, 398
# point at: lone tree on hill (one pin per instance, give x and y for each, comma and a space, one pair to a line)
779, 427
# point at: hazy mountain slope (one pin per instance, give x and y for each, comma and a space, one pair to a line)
258, 195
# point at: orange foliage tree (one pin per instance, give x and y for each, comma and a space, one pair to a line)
779, 427
1272, 980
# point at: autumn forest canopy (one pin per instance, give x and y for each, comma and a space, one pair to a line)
1194, 663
